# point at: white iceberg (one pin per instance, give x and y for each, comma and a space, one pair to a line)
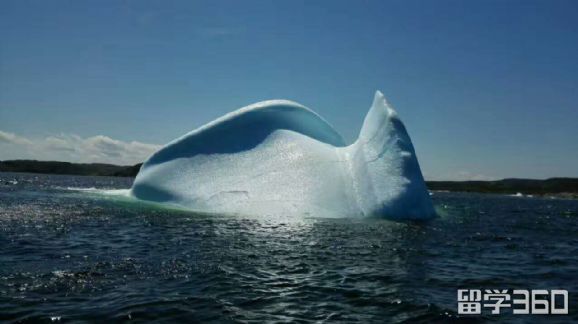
279, 157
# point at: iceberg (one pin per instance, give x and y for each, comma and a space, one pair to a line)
279, 157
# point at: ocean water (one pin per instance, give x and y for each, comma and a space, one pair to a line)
70, 254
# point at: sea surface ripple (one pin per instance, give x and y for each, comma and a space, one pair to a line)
74, 255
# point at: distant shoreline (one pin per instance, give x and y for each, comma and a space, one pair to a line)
68, 168
558, 187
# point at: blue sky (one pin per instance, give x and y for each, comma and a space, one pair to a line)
487, 89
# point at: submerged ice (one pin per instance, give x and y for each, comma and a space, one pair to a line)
279, 157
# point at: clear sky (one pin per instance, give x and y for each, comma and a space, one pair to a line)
487, 89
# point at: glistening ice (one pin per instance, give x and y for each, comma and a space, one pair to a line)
279, 157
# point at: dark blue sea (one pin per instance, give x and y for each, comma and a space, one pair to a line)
69, 253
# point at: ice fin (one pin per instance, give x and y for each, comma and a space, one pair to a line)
386, 170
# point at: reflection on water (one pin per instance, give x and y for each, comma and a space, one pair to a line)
77, 256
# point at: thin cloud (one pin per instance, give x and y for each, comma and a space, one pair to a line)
73, 148
11, 138
466, 175
217, 32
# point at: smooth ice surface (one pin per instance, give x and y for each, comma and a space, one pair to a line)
279, 157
